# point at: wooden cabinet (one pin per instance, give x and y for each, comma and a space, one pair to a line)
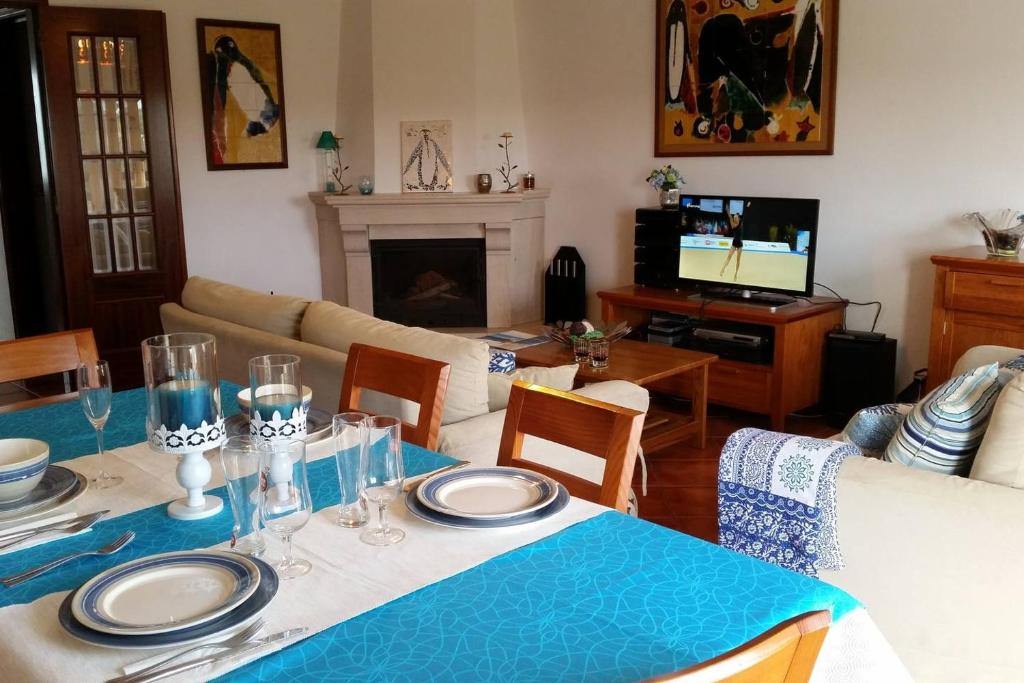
791, 382
978, 300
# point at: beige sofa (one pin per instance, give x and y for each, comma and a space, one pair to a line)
938, 560
248, 323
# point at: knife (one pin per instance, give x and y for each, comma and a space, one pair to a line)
80, 523
410, 484
279, 637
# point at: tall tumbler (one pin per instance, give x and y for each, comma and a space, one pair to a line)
349, 433
240, 458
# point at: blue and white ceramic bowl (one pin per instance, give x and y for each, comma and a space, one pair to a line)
22, 464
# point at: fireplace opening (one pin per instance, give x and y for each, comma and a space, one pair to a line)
430, 283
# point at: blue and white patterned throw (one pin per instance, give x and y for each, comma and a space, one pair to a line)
777, 499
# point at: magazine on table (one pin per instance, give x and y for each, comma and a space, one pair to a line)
513, 340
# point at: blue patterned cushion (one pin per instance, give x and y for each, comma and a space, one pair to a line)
871, 429
944, 430
502, 361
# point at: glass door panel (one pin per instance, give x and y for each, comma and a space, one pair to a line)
105, 66
100, 245
111, 115
81, 54
88, 127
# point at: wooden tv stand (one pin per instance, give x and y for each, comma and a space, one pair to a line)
791, 382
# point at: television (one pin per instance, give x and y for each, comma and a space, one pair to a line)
748, 244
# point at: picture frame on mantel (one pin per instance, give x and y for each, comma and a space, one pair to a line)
242, 83
427, 156
745, 77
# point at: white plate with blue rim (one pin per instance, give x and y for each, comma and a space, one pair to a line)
228, 622
426, 514
487, 492
166, 592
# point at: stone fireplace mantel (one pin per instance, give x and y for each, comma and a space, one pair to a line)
512, 226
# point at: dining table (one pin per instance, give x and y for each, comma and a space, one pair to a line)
587, 594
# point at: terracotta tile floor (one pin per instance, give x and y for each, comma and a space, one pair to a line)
682, 481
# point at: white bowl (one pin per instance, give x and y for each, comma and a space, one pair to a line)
22, 464
245, 403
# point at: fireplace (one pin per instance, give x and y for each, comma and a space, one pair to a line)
430, 282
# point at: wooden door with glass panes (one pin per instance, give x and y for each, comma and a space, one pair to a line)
114, 175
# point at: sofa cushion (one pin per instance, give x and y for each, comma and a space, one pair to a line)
1000, 459
944, 430
871, 429
272, 313
336, 327
499, 385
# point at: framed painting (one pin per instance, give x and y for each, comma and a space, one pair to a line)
426, 156
745, 77
242, 86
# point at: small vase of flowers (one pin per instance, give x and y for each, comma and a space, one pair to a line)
668, 182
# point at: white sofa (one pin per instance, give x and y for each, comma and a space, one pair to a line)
248, 323
938, 560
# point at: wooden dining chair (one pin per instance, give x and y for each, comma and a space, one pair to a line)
783, 654
421, 380
47, 354
602, 429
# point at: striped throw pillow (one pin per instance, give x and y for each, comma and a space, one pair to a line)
944, 430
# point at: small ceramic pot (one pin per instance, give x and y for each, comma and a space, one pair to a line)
483, 183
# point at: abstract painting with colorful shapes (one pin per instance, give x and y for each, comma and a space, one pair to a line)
745, 77
243, 94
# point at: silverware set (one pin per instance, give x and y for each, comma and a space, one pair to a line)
67, 526
238, 645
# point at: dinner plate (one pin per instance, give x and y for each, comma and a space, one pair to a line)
318, 425
166, 592
225, 623
487, 492
421, 511
54, 489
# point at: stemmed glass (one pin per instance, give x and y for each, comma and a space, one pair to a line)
285, 502
382, 473
94, 391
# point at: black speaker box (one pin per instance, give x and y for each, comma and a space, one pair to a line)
858, 373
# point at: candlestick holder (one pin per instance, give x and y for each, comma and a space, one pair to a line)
278, 410
183, 415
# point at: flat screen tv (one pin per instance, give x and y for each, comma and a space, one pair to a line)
761, 244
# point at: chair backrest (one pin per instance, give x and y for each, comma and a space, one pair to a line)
422, 380
46, 354
602, 429
783, 654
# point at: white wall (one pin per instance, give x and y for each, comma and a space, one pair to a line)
253, 228
355, 89
447, 59
927, 127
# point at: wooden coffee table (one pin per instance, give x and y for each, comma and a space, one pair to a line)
668, 370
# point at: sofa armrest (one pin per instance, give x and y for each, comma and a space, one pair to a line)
977, 356
936, 559
322, 368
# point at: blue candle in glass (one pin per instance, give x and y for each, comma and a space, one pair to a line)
185, 402
284, 404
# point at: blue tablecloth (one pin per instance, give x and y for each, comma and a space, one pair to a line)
610, 599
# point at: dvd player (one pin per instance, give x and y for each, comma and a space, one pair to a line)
715, 335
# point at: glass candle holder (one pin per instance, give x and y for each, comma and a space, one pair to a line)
183, 414
365, 185
581, 349
599, 353
277, 411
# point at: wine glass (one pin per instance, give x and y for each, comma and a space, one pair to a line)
285, 503
381, 477
94, 391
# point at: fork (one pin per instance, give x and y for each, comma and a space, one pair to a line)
69, 527
108, 549
240, 638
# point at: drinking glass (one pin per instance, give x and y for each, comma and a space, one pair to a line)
285, 502
581, 349
599, 353
382, 475
240, 458
275, 384
95, 393
349, 435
